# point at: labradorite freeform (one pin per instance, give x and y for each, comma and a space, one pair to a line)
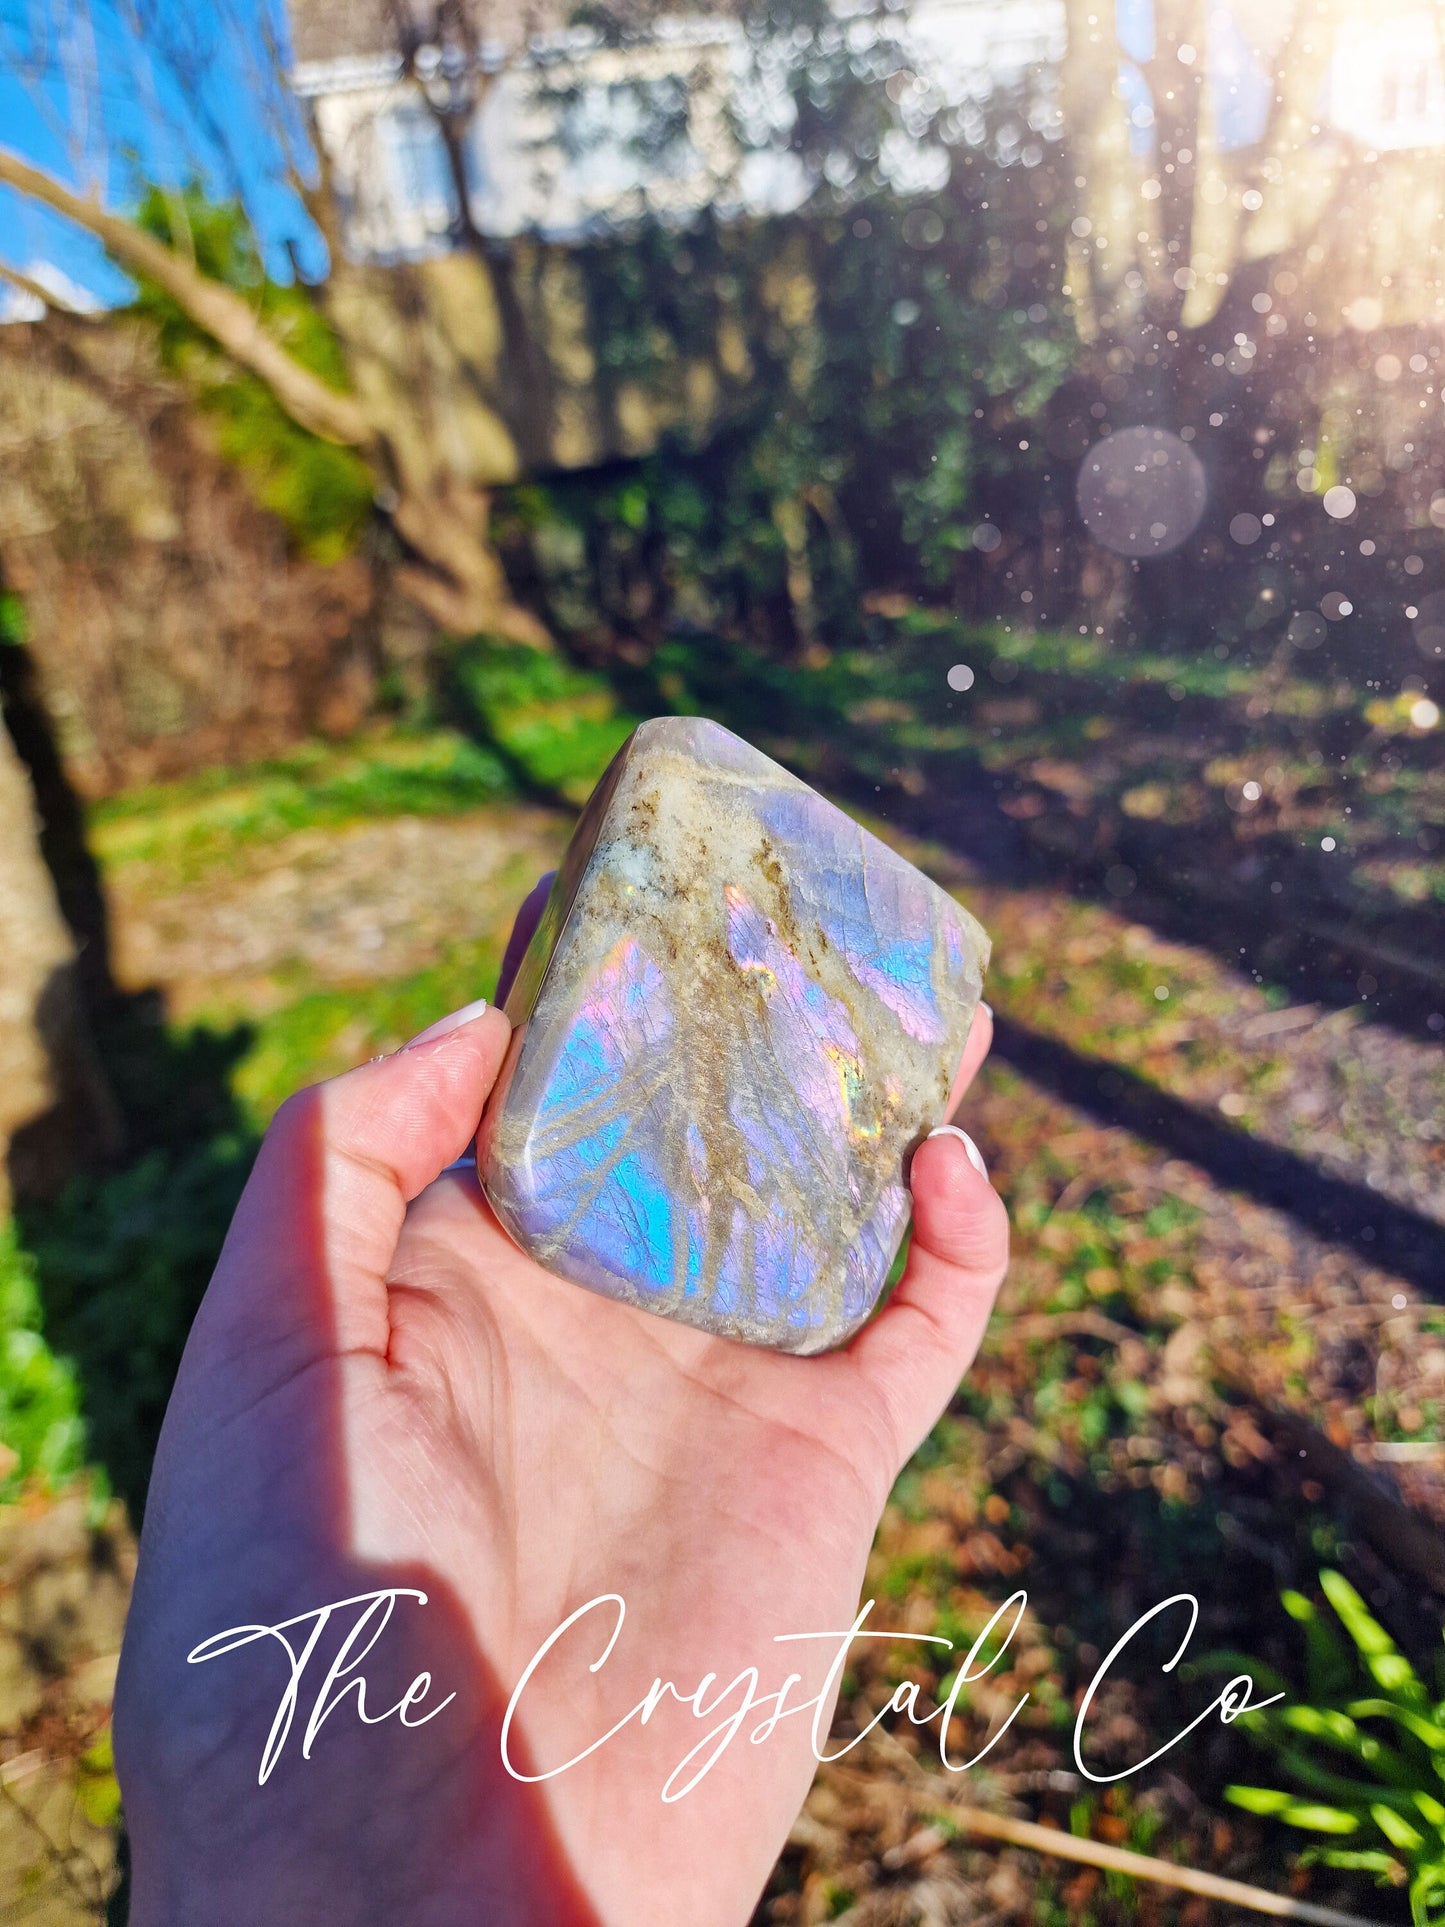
739, 1014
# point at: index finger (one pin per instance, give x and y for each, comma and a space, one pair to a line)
523, 930
980, 1041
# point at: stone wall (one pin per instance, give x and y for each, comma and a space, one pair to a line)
490, 366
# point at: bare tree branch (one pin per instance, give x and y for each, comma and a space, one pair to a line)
218, 310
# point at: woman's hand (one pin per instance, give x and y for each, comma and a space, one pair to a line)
381, 1391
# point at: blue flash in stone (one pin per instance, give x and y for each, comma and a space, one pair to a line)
739, 1014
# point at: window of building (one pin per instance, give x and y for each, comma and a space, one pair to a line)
418, 172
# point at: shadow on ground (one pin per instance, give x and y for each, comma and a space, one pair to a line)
1276, 903
124, 1249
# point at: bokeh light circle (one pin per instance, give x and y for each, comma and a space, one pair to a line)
1244, 529
1306, 629
960, 677
1141, 492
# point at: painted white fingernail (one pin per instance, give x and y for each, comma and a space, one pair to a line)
975, 1156
449, 1023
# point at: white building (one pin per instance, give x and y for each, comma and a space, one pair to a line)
567, 132
1386, 82
565, 137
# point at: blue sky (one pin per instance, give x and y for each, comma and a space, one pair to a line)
129, 91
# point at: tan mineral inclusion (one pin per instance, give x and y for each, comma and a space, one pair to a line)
738, 1016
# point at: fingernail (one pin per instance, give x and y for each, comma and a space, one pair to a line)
988, 1007
445, 1024
975, 1156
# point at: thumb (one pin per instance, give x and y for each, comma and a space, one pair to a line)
303, 1271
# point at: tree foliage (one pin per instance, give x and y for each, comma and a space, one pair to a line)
322, 491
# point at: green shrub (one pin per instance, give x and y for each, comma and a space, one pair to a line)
40, 1421
123, 1260
873, 373
1365, 1750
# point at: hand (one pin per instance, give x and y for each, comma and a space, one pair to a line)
381, 1391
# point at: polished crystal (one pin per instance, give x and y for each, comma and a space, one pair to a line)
739, 1014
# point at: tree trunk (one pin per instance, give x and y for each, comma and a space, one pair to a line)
55, 1106
456, 577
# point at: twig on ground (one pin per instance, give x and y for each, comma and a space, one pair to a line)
980, 1823
1141, 1866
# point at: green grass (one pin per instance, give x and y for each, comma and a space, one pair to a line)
326, 1031
113, 1272
189, 827
528, 721
913, 651
97, 1291
559, 726
122, 1262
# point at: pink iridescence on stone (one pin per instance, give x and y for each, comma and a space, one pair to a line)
740, 1013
